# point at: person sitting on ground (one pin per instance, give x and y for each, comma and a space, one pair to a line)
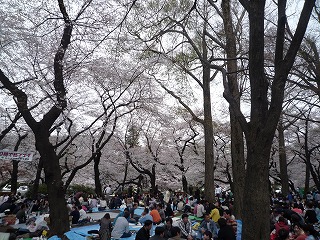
167, 228
185, 227
117, 202
158, 234
180, 205
208, 225
121, 228
21, 214
283, 234
230, 220
75, 215
215, 214
145, 216
121, 214
35, 206
200, 210
176, 234
207, 235
102, 204
297, 209
155, 215
83, 215
105, 227
187, 206
133, 217
168, 211
310, 215
44, 206
226, 232
93, 202
144, 232
282, 223
161, 212
311, 233
299, 234
8, 204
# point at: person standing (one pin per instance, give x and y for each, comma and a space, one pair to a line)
107, 192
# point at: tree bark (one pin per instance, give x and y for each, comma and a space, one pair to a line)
208, 137
283, 161
59, 219
256, 208
15, 166
14, 176
264, 117
153, 178
35, 188
307, 157
125, 171
98, 187
237, 144
184, 183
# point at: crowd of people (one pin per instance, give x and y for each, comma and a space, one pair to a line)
26, 211
291, 217
295, 217
213, 221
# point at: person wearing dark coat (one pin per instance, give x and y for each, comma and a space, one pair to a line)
158, 234
144, 232
226, 231
310, 215
21, 214
75, 215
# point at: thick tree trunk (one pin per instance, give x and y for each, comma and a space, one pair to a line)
15, 165
208, 137
259, 135
35, 187
238, 165
14, 176
59, 219
153, 178
98, 187
307, 179
283, 161
125, 170
184, 183
237, 144
256, 208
